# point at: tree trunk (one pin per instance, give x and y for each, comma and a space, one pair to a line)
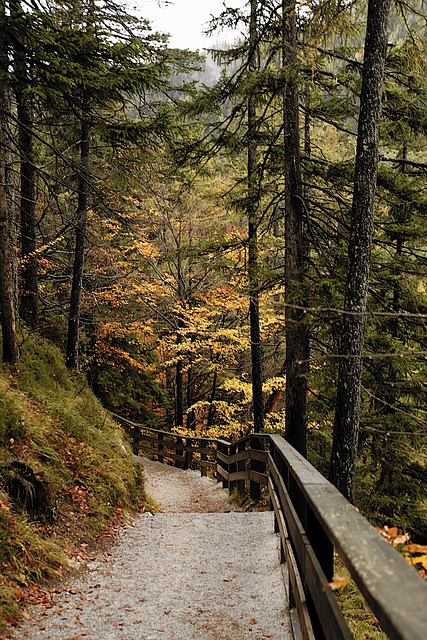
28, 309
73, 339
191, 416
297, 345
347, 408
179, 393
253, 222
72, 358
212, 400
10, 346
170, 391
12, 195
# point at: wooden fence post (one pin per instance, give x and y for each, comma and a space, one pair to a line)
188, 453
203, 457
159, 447
241, 466
254, 487
222, 448
232, 467
218, 450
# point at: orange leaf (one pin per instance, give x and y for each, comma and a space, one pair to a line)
338, 582
415, 548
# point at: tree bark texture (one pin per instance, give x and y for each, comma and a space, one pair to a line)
179, 393
191, 416
29, 308
297, 344
347, 409
253, 222
72, 358
10, 346
211, 411
12, 195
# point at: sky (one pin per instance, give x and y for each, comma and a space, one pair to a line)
185, 20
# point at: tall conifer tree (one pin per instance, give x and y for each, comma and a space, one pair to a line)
296, 330
253, 224
347, 412
7, 309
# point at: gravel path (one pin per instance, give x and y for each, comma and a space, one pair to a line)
198, 569
178, 491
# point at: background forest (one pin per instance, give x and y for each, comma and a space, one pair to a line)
154, 227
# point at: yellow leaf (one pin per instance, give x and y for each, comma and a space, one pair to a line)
421, 560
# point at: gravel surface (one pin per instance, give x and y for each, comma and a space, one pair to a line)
197, 569
178, 491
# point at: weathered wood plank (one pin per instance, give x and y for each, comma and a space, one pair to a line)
222, 472
257, 467
233, 476
204, 450
395, 592
327, 609
222, 457
142, 428
166, 442
296, 592
260, 456
247, 454
207, 464
259, 478
165, 453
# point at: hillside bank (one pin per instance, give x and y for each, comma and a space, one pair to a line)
67, 474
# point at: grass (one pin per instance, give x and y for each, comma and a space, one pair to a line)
359, 617
74, 462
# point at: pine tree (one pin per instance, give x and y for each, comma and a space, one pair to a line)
297, 345
253, 225
346, 424
10, 346
29, 308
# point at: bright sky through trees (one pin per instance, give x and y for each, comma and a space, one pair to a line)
185, 20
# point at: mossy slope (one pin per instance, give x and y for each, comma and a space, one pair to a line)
66, 470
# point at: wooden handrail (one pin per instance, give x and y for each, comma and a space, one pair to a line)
314, 520
184, 451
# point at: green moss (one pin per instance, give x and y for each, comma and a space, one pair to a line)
12, 424
52, 424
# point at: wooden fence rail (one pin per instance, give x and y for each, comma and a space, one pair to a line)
314, 522
171, 448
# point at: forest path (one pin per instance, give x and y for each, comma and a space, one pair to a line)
196, 570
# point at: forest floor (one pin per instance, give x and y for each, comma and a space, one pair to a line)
200, 568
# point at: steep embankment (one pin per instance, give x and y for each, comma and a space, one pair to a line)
66, 472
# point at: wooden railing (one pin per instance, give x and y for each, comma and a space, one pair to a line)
171, 448
242, 465
314, 522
